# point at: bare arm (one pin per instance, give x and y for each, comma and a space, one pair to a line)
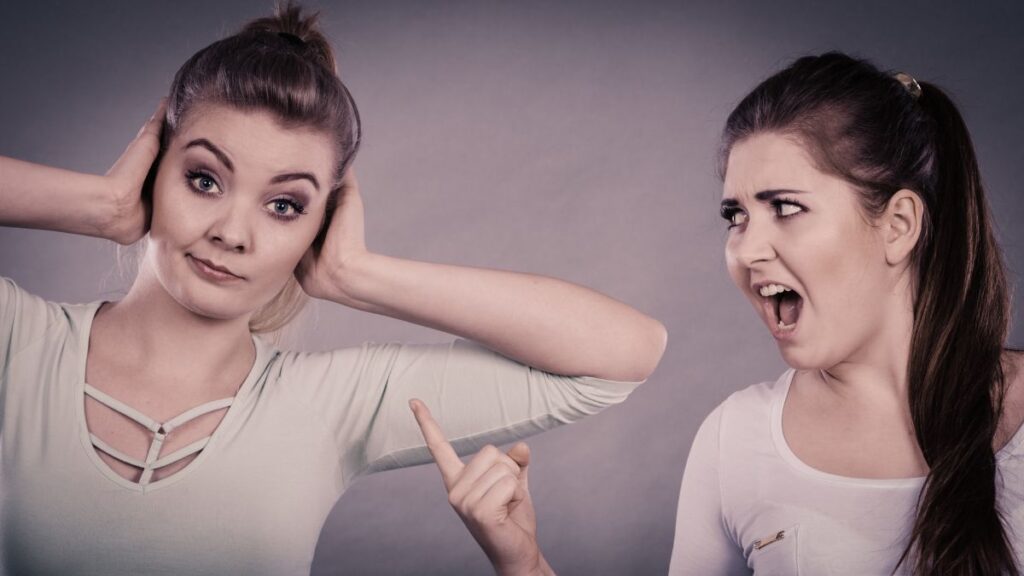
543, 322
110, 206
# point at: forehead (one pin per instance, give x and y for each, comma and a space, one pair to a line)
770, 161
257, 141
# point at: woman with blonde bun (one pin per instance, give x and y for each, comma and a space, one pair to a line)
162, 433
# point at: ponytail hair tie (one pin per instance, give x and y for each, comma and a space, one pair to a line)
908, 82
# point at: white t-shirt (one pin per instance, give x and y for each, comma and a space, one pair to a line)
300, 429
748, 505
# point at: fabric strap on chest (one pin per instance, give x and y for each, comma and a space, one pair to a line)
159, 430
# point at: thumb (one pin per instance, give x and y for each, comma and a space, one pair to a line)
520, 453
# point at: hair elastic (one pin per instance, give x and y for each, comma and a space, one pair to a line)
913, 88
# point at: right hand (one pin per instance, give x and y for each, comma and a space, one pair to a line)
127, 178
491, 496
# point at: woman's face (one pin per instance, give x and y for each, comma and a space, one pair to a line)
802, 250
237, 191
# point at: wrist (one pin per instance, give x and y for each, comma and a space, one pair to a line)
107, 215
122, 216
535, 565
351, 279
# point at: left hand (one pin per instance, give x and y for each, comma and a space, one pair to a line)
491, 495
321, 270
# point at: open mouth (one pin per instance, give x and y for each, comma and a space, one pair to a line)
784, 302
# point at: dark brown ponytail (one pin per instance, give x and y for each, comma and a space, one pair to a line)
955, 375
883, 135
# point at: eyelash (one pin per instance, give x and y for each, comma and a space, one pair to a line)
192, 175
729, 212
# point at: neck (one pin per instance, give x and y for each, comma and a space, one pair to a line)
159, 334
876, 374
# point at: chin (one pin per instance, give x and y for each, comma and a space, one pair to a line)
209, 302
213, 310
805, 358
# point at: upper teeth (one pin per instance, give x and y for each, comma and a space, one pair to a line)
773, 289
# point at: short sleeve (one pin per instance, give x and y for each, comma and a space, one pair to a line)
702, 544
24, 318
478, 396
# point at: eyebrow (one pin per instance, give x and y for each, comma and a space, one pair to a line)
204, 143
762, 196
296, 176
291, 176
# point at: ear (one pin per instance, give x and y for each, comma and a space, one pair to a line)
901, 226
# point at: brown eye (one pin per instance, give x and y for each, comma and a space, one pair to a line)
734, 216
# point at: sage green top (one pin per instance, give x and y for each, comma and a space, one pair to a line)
300, 429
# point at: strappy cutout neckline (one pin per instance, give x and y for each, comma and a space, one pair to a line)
93, 445
160, 431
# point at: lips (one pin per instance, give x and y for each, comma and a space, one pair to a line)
210, 269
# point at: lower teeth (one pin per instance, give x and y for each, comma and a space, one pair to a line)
784, 326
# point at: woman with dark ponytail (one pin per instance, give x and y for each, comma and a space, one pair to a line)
859, 230
162, 433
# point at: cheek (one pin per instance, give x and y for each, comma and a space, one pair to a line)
846, 278
284, 246
176, 211
736, 270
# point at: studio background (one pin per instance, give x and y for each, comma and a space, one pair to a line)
573, 139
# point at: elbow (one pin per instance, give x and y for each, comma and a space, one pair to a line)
645, 351
656, 338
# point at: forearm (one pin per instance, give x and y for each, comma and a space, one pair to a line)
37, 196
543, 322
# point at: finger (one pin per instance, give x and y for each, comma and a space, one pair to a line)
140, 154
487, 458
155, 123
348, 180
502, 495
480, 487
447, 460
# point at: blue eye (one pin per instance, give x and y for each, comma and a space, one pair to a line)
286, 209
201, 182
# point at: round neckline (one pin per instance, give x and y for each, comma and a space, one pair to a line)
782, 387
787, 454
262, 351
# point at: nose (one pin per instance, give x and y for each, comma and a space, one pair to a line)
230, 230
752, 244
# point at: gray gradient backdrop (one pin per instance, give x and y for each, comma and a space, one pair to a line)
570, 139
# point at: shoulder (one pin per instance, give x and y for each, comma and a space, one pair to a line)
25, 316
743, 422
756, 402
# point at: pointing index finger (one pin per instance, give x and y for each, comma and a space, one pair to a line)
447, 460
